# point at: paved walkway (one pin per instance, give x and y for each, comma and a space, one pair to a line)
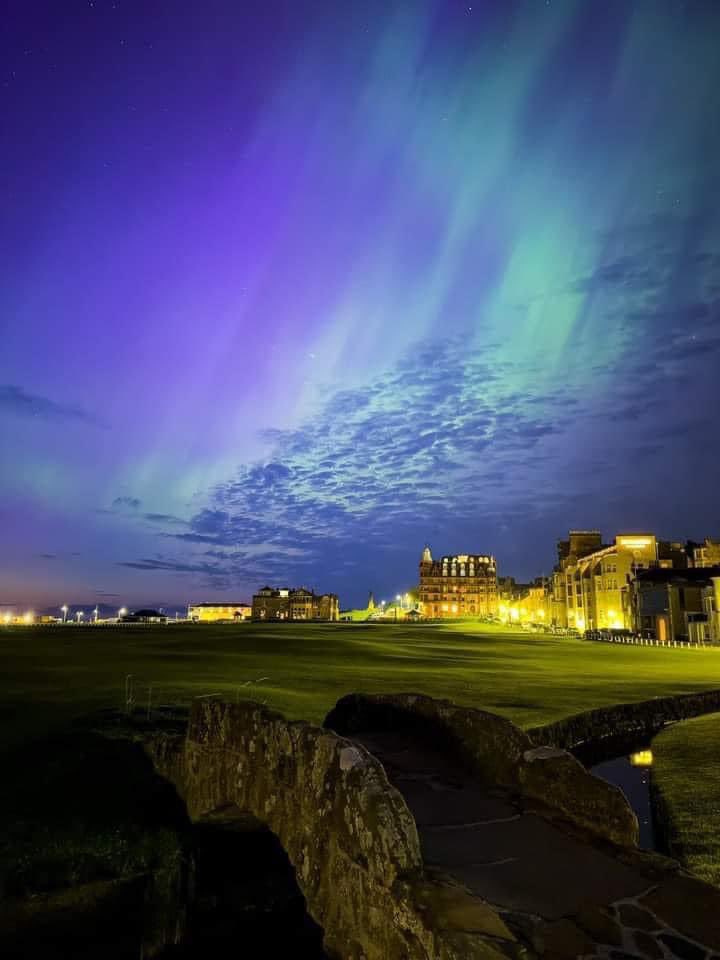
562, 895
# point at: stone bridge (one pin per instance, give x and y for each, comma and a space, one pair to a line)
419, 829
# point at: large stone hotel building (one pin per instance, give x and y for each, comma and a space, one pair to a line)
461, 586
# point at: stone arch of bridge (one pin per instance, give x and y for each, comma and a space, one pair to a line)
245, 890
348, 834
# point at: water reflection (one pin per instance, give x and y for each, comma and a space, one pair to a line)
626, 762
642, 758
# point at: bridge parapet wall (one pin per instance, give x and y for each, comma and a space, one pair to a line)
501, 753
644, 717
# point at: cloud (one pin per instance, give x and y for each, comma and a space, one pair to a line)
372, 466
15, 401
162, 518
622, 272
130, 503
208, 574
170, 565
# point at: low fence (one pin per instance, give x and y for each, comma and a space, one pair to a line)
649, 642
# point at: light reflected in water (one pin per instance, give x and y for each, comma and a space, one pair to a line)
643, 758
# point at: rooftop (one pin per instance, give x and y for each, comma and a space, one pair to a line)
222, 603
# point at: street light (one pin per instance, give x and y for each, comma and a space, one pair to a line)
79, 615
96, 611
64, 609
122, 612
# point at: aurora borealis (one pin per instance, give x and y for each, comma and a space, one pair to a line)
291, 288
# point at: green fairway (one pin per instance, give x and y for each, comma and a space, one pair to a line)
52, 674
686, 771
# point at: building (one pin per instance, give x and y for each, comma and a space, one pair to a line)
464, 585
711, 606
580, 543
676, 605
283, 603
143, 616
509, 591
596, 583
532, 603
672, 555
522, 602
705, 554
10, 618
370, 612
214, 612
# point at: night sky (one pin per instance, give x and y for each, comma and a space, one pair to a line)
291, 288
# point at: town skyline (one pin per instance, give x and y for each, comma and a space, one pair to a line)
402, 583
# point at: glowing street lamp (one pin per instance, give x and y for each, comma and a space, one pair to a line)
79, 615
96, 611
29, 617
122, 612
64, 610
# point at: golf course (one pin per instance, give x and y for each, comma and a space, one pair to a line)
54, 674
104, 821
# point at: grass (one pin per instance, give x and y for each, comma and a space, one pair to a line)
686, 772
83, 809
52, 675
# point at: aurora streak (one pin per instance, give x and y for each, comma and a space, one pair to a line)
291, 288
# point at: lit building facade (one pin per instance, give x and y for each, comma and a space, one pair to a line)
711, 606
579, 544
522, 602
464, 585
705, 554
283, 603
596, 584
214, 612
677, 605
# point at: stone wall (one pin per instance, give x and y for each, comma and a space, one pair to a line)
625, 720
499, 752
347, 831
